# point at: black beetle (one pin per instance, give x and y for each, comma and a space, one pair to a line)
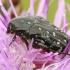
44, 33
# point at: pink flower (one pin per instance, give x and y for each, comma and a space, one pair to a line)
17, 56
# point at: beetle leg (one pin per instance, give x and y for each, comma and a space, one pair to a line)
23, 38
12, 40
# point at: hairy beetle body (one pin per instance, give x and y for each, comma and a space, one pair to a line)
44, 33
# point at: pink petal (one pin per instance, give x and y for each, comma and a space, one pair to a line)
59, 13
64, 22
4, 12
41, 7
13, 8
45, 12
31, 8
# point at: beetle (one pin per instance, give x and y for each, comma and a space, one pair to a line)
44, 33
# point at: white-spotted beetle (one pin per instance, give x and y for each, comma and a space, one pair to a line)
44, 33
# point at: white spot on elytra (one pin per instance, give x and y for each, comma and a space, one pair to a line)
54, 34
39, 28
56, 29
58, 42
42, 41
29, 22
58, 39
48, 32
64, 40
47, 36
36, 42
43, 19
35, 21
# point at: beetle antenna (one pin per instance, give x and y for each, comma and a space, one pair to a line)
12, 40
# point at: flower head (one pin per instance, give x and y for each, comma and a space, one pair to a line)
17, 56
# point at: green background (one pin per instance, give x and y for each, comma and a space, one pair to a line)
53, 8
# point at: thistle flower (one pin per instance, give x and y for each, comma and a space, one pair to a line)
17, 56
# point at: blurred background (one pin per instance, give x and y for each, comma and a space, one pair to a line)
52, 9
24, 5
